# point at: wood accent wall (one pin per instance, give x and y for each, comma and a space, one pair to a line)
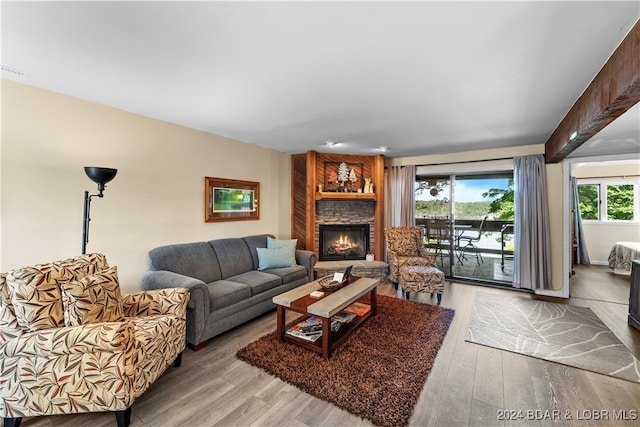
308, 170
298, 199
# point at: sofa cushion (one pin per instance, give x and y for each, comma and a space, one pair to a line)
196, 260
277, 243
233, 255
36, 297
284, 256
35, 293
223, 293
259, 281
9, 326
257, 241
92, 299
83, 265
289, 274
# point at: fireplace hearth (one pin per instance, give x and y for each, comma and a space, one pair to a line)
343, 241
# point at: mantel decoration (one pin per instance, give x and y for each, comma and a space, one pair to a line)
343, 177
231, 200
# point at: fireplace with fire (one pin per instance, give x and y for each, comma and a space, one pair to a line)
343, 241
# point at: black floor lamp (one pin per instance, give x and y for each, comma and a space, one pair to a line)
100, 176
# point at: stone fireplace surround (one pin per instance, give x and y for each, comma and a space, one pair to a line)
345, 212
310, 207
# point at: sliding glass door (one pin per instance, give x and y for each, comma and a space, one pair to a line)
433, 213
468, 222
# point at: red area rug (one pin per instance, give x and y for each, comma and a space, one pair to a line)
377, 374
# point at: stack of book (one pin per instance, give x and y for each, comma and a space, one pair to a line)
340, 319
311, 328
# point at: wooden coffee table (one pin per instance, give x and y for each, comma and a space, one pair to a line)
324, 308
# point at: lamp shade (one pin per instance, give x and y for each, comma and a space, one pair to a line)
100, 175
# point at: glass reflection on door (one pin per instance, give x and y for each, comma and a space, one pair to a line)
433, 213
468, 224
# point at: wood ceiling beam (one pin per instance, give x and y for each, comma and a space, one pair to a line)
614, 90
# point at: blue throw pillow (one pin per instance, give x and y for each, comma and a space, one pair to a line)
276, 257
275, 243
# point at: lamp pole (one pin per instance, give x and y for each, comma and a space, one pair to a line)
100, 176
87, 218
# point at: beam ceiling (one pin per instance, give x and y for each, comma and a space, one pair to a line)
614, 90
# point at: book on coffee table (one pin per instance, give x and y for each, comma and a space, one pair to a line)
358, 308
344, 317
308, 331
307, 336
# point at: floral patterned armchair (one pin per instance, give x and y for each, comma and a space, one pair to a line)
70, 343
405, 247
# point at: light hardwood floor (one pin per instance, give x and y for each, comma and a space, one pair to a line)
468, 386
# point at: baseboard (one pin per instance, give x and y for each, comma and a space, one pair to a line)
562, 293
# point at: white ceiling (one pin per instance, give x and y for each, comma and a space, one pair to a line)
418, 77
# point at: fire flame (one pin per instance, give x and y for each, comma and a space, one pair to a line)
343, 243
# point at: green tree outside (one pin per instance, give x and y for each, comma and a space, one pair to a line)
502, 202
588, 201
620, 202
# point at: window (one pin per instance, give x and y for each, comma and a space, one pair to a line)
589, 197
608, 200
620, 202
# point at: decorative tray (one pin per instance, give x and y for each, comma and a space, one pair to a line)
328, 284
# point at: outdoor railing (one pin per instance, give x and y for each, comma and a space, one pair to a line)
497, 235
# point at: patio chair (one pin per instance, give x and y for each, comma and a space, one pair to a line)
470, 237
439, 238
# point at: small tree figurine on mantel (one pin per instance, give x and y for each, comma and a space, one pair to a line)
343, 175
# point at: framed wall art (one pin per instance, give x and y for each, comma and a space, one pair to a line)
231, 200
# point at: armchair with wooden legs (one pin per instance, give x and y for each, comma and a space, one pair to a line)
71, 343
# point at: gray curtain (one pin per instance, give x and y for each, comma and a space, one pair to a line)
532, 260
399, 195
582, 256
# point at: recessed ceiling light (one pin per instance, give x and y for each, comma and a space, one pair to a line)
383, 148
330, 143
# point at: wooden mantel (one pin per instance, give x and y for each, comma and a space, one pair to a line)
308, 171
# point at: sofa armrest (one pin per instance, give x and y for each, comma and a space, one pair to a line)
162, 279
198, 306
169, 301
308, 260
92, 338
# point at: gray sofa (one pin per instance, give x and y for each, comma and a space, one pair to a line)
226, 287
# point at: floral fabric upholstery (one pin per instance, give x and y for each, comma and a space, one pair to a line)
35, 291
93, 299
414, 278
405, 247
87, 368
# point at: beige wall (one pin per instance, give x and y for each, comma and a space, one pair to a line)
607, 170
554, 191
157, 197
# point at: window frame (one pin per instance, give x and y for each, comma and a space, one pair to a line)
602, 184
